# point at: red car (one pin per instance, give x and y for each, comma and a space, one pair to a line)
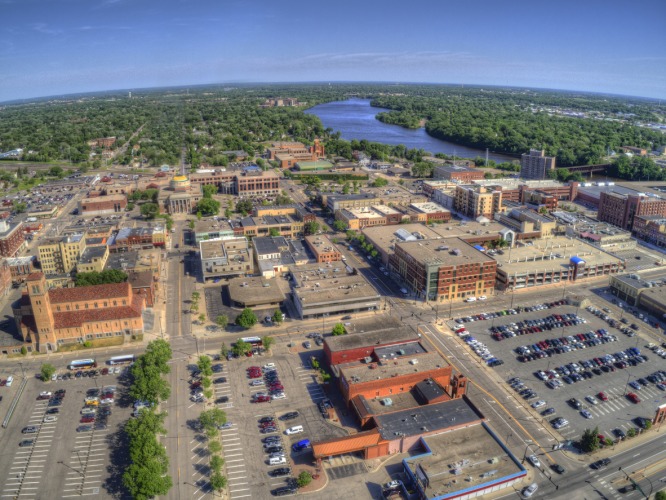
267, 424
87, 419
262, 399
633, 398
602, 396
276, 387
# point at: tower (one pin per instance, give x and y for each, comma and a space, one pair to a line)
41, 311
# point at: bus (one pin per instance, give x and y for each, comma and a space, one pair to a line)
118, 360
253, 341
79, 364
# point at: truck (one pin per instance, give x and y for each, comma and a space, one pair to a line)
31, 219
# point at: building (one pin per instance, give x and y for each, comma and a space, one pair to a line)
48, 319
276, 255
226, 258
255, 292
136, 238
181, 197
102, 205
313, 166
620, 209
102, 142
6, 278
288, 154
430, 212
12, 241
628, 287
634, 150
476, 201
337, 202
21, 267
529, 223
298, 211
46, 211
355, 347
246, 182
93, 259
212, 229
650, 228
599, 234
323, 248
136, 261
536, 165
143, 284
375, 215
653, 300
553, 261
284, 225
458, 173
444, 270
60, 255
429, 186
331, 289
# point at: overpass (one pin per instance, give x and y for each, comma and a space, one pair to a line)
589, 169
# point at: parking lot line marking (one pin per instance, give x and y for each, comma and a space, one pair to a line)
236, 460
241, 489
234, 455
237, 484
240, 496
234, 466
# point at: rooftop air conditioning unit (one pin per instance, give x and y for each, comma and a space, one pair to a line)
414, 362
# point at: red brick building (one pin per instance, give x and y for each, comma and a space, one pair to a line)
11, 239
323, 248
620, 209
100, 205
458, 173
353, 348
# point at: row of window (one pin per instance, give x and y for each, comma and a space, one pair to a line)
95, 305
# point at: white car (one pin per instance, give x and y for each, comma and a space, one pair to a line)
107, 401
586, 414
591, 400
45, 394
470, 299
89, 411
483, 297
279, 395
50, 418
538, 404
534, 461
529, 491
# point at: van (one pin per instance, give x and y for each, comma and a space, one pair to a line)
277, 461
296, 429
404, 291
301, 445
10, 381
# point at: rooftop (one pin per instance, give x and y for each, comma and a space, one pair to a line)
110, 197
94, 292
553, 253
329, 283
429, 207
214, 249
453, 252
428, 418
212, 226
92, 253
355, 373
466, 458
247, 290
379, 338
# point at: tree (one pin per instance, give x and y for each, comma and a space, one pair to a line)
304, 478
196, 296
150, 210
274, 232
206, 382
380, 182
267, 342
209, 190
222, 321
56, 171
47, 371
202, 318
19, 207
130, 207
631, 432
589, 442
218, 482
338, 329
246, 319
244, 207
312, 227
205, 365
277, 316
214, 446
191, 224
216, 463
339, 226
212, 419
660, 495
241, 348
100, 278
223, 349
346, 188
208, 206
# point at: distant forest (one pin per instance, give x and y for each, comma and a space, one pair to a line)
159, 126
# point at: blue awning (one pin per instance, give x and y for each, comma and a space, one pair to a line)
479, 248
577, 260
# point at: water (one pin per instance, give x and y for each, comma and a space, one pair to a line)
355, 119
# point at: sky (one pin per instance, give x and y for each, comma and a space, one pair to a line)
55, 47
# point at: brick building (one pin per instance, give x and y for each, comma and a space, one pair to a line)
12, 241
474, 201
356, 347
323, 248
247, 182
536, 165
47, 319
444, 269
458, 173
375, 215
650, 228
620, 208
100, 205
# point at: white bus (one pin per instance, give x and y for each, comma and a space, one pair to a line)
119, 360
79, 364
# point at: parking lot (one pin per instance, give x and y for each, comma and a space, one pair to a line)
48, 451
585, 359
247, 463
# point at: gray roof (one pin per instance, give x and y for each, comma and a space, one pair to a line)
428, 418
91, 253
269, 244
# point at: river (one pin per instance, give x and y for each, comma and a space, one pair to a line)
355, 119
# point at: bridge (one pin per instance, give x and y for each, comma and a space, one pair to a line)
589, 169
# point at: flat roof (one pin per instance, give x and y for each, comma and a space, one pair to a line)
427, 418
330, 283
553, 253
429, 207
381, 337
364, 213
454, 252
213, 249
91, 253
657, 294
375, 406
255, 290
109, 197
359, 373
212, 226
399, 350
466, 458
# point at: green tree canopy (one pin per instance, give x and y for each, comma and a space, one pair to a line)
277, 316
241, 348
46, 372
339, 225
150, 210
100, 278
267, 342
312, 227
304, 478
589, 442
208, 206
338, 329
222, 321
218, 482
209, 190
380, 182
205, 364
246, 319
213, 418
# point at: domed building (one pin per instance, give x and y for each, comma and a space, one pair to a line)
181, 196
180, 184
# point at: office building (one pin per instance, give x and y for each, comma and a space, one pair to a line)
12, 241
536, 165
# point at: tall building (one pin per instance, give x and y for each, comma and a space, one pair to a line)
475, 201
60, 255
620, 208
11, 239
536, 164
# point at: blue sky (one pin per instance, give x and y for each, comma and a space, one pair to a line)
50, 47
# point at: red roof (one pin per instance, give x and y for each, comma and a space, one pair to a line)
95, 292
34, 276
74, 319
